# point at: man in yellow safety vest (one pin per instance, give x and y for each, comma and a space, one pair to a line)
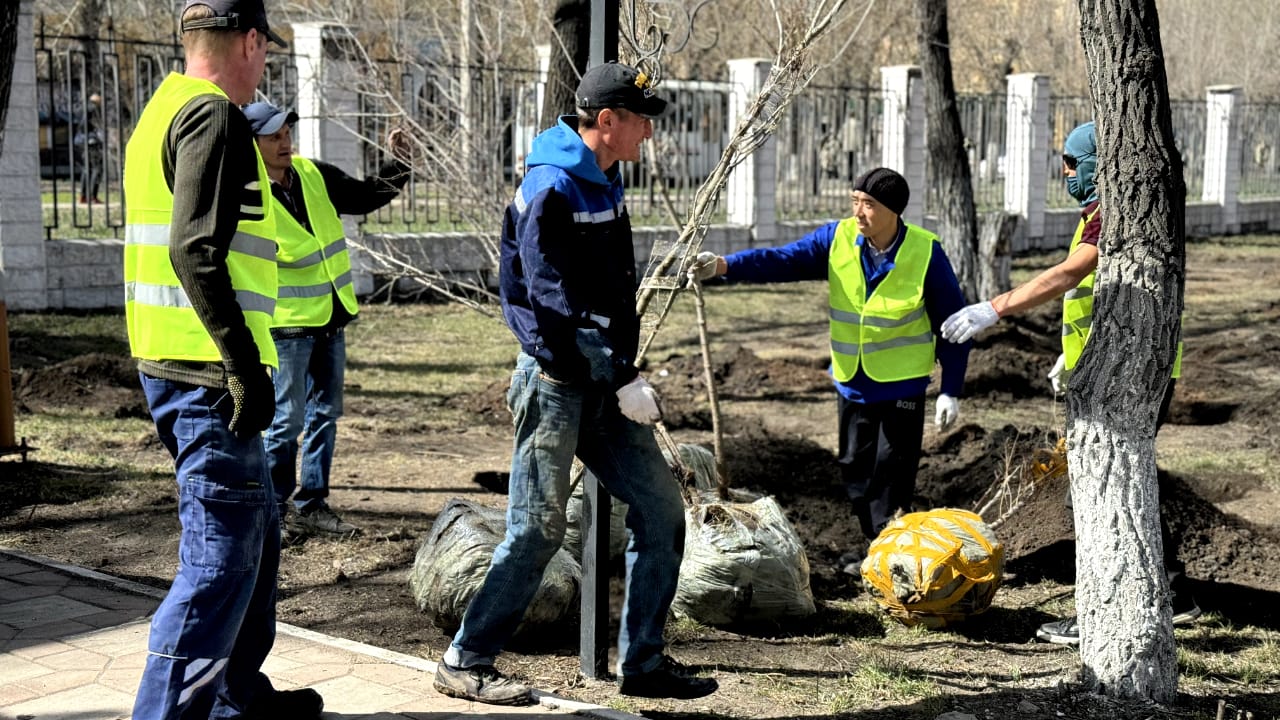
316, 302
200, 290
1072, 280
890, 285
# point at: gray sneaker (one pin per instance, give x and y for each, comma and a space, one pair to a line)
322, 519
1060, 632
481, 683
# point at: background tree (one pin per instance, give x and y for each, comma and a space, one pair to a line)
957, 223
570, 45
1127, 639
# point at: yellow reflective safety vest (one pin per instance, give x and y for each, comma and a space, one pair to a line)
1077, 310
161, 321
887, 333
313, 265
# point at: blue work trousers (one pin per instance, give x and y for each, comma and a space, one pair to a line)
214, 629
553, 422
308, 404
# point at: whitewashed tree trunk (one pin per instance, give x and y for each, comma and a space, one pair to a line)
1122, 594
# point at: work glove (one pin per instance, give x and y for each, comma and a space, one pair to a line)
254, 398
948, 411
705, 267
964, 324
639, 402
1059, 375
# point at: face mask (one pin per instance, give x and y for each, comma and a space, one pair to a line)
1073, 187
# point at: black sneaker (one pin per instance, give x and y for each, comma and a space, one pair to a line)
482, 683
321, 518
669, 680
304, 704
1060, 632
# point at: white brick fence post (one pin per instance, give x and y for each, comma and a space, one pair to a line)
1026, 182
751, 196
22, 246
328, 109
902, 147
1222, 156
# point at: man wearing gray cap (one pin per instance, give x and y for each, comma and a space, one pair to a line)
200, 290
568, 285
316, 302
890, 286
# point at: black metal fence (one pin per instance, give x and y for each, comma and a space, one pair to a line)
89, 91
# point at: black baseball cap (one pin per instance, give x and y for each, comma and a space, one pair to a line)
241, 15
614, 85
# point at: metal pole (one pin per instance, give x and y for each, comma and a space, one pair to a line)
593, 640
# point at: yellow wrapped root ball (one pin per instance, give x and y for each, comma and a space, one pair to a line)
934, 567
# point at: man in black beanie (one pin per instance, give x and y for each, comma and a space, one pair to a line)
890, 287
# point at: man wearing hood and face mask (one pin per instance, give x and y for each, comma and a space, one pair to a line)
1073, 279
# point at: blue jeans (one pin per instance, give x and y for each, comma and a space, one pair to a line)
212, 632
553, 422
308, 403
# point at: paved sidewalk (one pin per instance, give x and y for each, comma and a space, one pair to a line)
73, 643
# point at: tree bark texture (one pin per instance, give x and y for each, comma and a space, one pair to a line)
570, 46
996, 231
1122, 594
957, 218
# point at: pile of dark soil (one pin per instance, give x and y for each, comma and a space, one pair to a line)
102, 384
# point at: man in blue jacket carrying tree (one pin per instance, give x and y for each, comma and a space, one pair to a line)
568, 284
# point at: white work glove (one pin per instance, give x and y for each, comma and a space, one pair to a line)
704, 267
639, 402
1058, 375
948, 411
964, 324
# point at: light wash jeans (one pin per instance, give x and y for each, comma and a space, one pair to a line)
553, 422
308, 403
212, 632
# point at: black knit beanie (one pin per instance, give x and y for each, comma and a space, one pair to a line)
886, 186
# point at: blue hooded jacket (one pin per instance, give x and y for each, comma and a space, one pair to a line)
1082, 144
567, 266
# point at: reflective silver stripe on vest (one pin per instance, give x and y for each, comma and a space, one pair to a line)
317, 290
316, 257
598, 217
845, 316
1078, 292
243, 243
852, 349
877, 322
175, 296
520, 202
1083, 323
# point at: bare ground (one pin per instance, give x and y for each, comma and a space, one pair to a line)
392, 478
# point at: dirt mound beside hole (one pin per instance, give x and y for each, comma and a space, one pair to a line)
96, 383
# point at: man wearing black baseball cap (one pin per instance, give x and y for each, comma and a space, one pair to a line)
568, 285
200, 291
241, 15
890, 288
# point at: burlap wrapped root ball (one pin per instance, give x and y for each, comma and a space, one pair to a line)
742, 562
934, 568
454, 557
